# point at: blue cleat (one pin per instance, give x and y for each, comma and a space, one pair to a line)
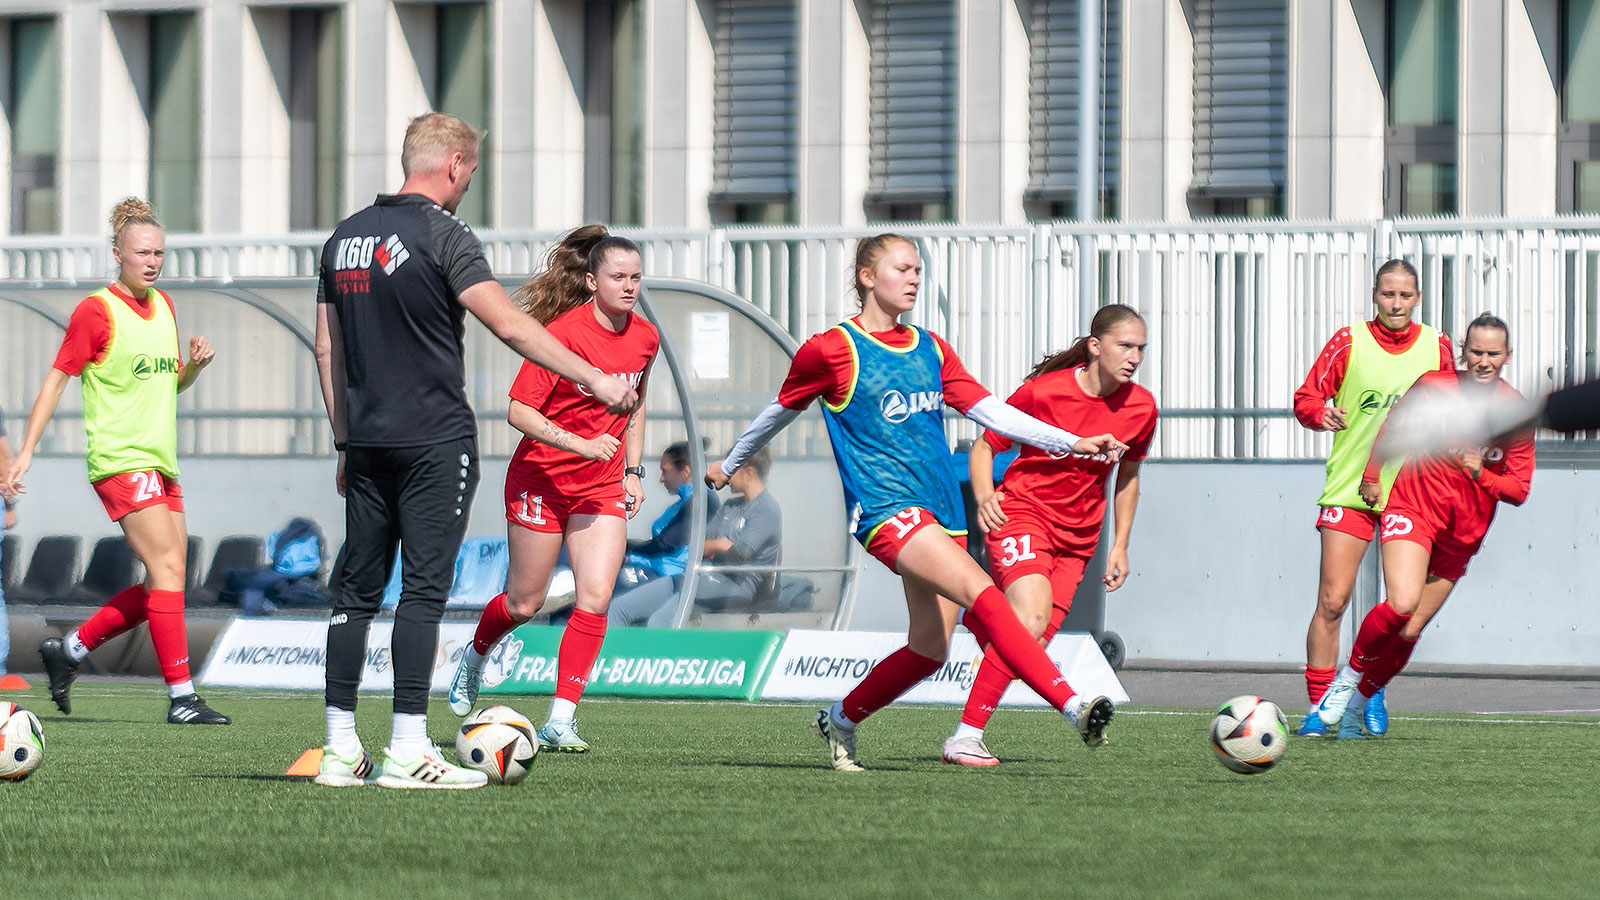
1376, 714
1312, 727
1350, 724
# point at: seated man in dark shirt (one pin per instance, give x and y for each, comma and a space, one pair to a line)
746, 531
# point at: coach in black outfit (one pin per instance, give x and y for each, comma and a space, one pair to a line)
395, 282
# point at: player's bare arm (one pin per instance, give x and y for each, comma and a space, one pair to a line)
200, 356
328, 347
980, 470
634, 459
1124, 503
44, 406
538, 427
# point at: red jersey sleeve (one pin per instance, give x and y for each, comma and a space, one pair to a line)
1447, 353
1021, 398
1512, 485
88, 336
533, 385
1323, 381
961, 390
1139, 447
820, 366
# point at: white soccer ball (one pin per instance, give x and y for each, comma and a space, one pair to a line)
1249, 735
21, 742
499, 742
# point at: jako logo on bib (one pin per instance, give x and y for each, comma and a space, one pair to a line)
897, 407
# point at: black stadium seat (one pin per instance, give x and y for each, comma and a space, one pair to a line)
10, 549
51, 571
194, 564
111, 568
236, 552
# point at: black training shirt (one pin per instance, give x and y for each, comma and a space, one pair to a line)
393, 273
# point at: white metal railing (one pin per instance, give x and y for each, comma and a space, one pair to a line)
1238, 310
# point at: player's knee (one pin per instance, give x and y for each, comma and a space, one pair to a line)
1332, 605
524, 605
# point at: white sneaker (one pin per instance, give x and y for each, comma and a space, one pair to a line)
1091, 717
464, 688
968, 751
561, 735
344, 771
428, 770
841, 742
1331, 709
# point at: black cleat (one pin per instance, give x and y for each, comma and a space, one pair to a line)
191, 710
61, 670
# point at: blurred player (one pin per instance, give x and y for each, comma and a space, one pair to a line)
122, 342
1042, 526
884, 387
567, 482
395, 283
1362, 371
1435, 521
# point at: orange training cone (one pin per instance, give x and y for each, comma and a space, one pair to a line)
13, 683
308, 763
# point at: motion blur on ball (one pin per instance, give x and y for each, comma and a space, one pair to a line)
21, 743
499, 742
1249, 735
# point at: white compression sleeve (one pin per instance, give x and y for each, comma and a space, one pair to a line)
771, 421
1001, 417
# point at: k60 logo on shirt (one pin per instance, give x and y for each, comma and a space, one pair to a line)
361, 252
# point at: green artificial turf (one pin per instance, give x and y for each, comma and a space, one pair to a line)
730, 800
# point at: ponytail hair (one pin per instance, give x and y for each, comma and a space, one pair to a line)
131, 211
1107, 318
868, 251
1396, 265
561, 286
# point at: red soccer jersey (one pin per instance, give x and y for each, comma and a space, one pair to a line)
627, 354
1444, 481
1072, 489
823, 367
1327, 373
89, 333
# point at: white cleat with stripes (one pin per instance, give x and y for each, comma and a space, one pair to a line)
428, 771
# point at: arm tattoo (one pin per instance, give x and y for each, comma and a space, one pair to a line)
556, 437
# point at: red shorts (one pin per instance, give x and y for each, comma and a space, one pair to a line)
133, 491
1025, 545
538, 505
1361, 523
890, 536
1451, 542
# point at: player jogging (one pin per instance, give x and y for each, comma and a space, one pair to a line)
1361, 372
122, 343
1438, 513
567, 482
884, 386
1042, 526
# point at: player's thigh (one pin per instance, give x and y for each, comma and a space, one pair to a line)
155, 535
533, 556
1341, 563
596, 544
931, 557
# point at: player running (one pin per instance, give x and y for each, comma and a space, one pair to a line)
122, 342
1042, 527
567, 482
1362, 370
884, 386
1439, 510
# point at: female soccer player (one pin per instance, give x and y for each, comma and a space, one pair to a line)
884, 386
122, 341
1043, 525
567, 482
1438, 513
1362, 370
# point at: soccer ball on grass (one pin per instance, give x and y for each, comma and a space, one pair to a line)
1249, 735
21, 742
499, 742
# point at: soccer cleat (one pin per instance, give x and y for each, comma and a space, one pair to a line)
1312, 727
344, 771
1350, 724
561, 735
968, 751
1091, 718
1332, 706
1376, 714
61, 669
428, 771
191, 710
464, 689
841, 743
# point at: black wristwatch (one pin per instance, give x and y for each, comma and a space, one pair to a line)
633, 470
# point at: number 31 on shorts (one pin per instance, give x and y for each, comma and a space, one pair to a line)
1016, 549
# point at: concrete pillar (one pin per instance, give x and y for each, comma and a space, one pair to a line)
835, 102
1337, 118
992, 97
678, 117
1157, 111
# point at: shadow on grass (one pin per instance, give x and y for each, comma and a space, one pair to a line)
235, 776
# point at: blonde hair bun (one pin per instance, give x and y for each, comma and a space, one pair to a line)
131, 211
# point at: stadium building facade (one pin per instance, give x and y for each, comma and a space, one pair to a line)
264, 117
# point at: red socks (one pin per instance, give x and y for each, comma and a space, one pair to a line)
1381, 626
1019, 649
994, 676
165, 611
1317, 681
494, 624
580, 647
896, 674
1380, 673
123, 611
